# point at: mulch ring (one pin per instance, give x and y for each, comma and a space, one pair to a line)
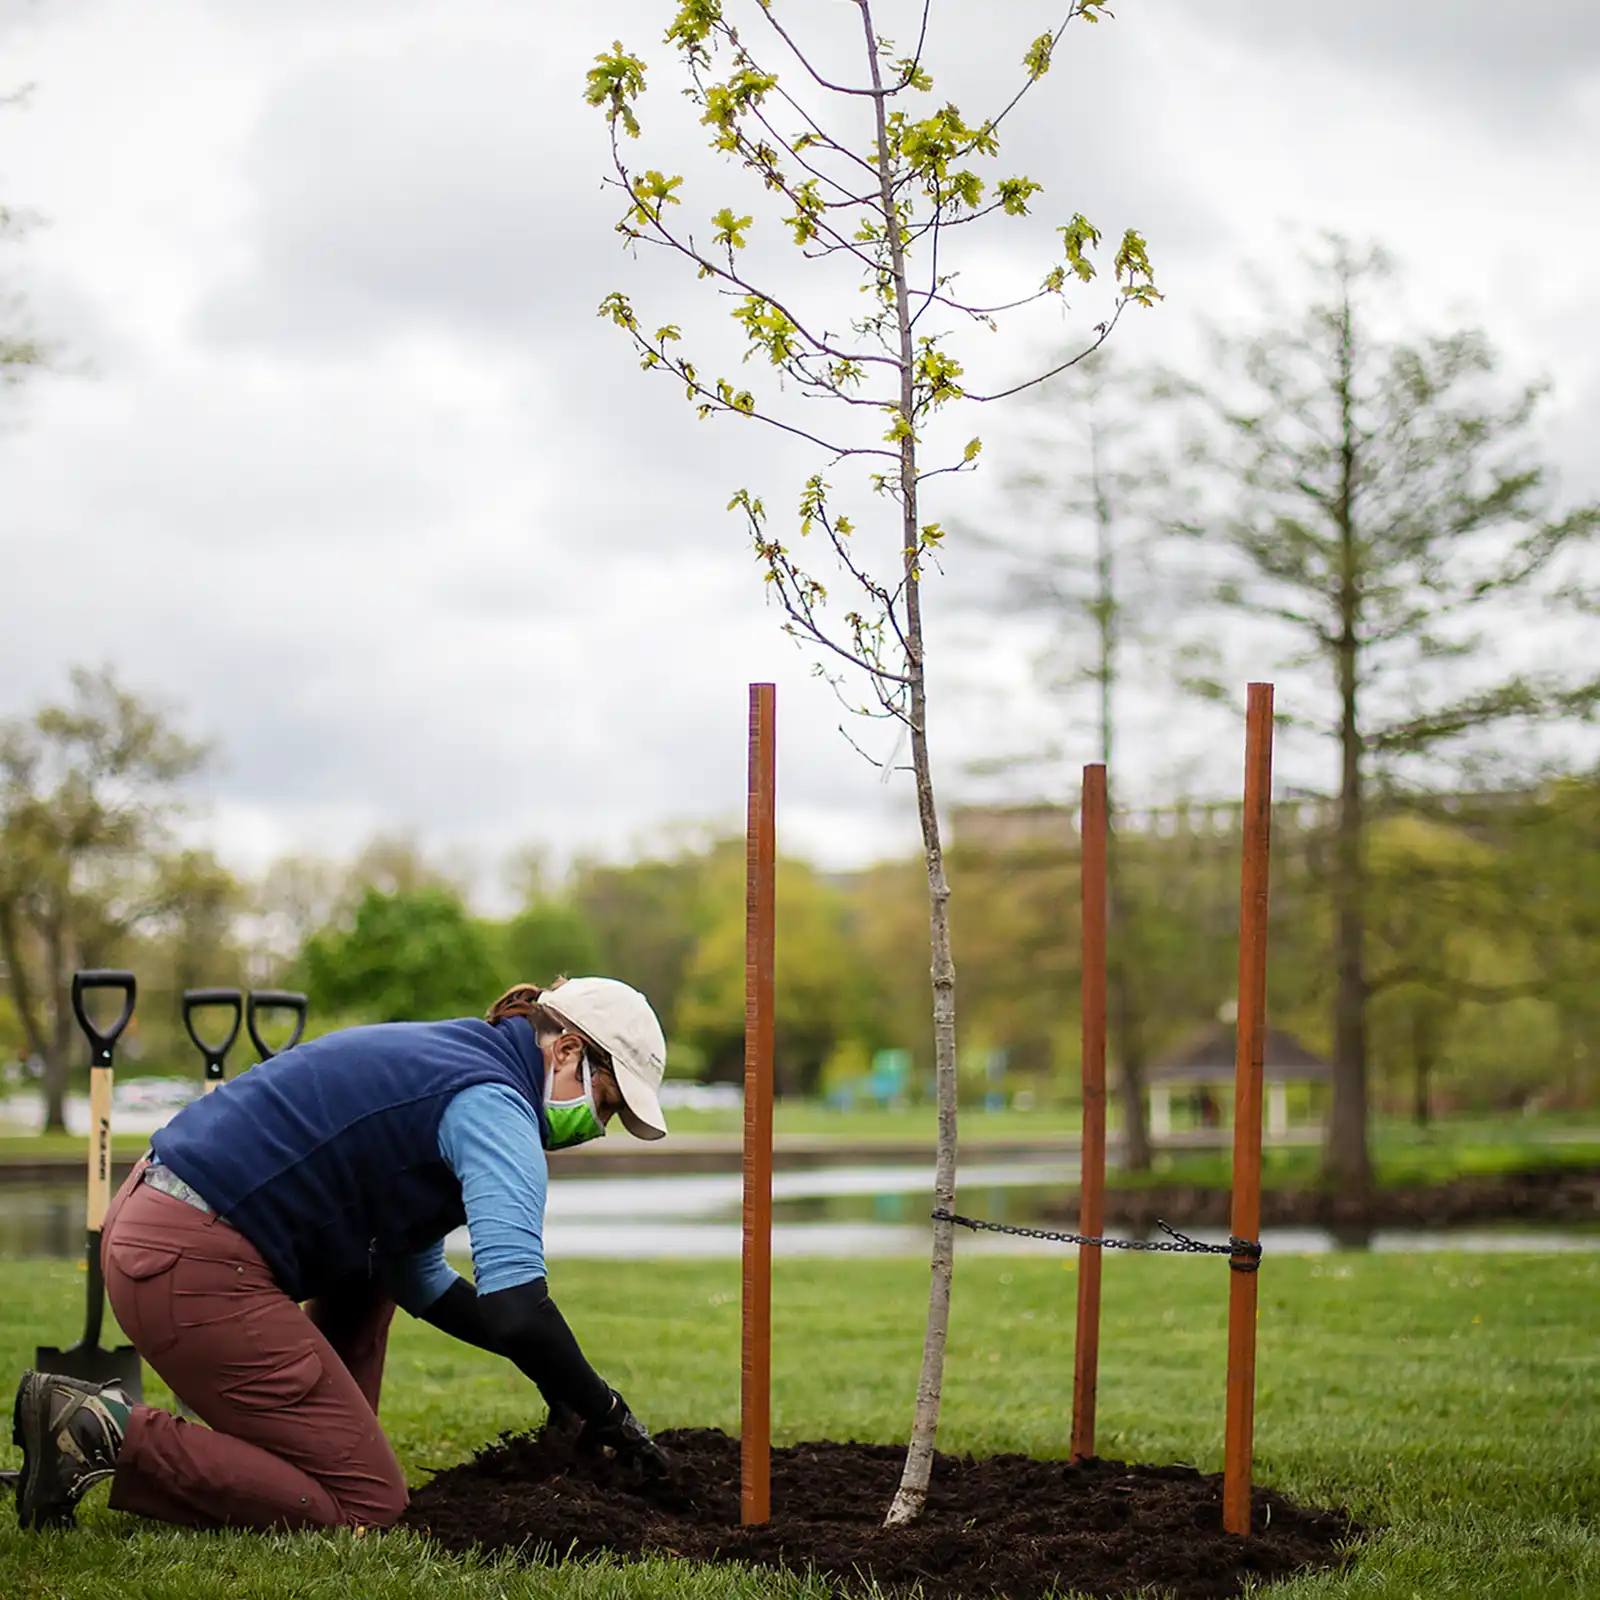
1000, 1525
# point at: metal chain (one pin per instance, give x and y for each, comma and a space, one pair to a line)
1245, 1253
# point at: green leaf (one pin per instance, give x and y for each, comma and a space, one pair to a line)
912, 74
695, 22
615, 82
1134, 271
1077, 234
650, 193
616, 306
730, 229
1015, 193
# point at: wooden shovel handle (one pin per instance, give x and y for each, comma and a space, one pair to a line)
100, 1086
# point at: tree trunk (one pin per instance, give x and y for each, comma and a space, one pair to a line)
58, 1055
1422, 1053
22, 995
1127, 1039
1126, 1031
912, 1494
1346, 1158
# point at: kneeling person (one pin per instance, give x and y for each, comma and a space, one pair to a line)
331, 1175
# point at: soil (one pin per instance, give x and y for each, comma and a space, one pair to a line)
1540, 1194
998, 1525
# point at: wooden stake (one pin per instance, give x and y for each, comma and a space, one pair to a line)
1252, 1027
755, 1426
1091, 1202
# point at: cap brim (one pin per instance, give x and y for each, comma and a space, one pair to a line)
641, 1106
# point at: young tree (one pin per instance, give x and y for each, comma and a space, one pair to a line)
875, 182
89, 791
1382, 501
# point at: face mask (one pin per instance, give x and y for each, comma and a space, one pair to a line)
572, 1122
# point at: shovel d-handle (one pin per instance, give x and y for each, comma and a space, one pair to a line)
274, 1000
102, 1040
101, 1043
215, 1055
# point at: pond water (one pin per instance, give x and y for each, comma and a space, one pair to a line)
838, 1211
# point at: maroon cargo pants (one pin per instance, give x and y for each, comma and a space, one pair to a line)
290, 1395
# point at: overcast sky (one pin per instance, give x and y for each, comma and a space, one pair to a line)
340, 461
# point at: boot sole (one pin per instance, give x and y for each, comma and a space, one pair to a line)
29, 1425
25, 1435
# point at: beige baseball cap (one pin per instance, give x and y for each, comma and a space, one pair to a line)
620, 1020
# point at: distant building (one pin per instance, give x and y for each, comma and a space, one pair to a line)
1202, 1068
1049, 825
1045, 825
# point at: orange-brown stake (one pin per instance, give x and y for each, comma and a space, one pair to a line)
1091, 1202
1242, 1285
755, 1413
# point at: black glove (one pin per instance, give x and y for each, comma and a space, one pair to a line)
622, 1432
524, 1325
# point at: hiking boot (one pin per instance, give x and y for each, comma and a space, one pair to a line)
69, 1433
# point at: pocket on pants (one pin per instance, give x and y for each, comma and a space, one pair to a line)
147, 1312
276, 1387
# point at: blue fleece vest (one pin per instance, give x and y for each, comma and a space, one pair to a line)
326, 1158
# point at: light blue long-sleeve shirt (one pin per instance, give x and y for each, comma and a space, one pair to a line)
489, 1138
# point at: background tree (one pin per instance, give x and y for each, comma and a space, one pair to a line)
199, 902
1083, 553
1552, 877
874, 186
297, 895
89, 791
411, 955
647, 917
1382, 503
551, 938
826, 996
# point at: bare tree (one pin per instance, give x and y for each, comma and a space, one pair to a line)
1381, 502
872, 180
1095, 506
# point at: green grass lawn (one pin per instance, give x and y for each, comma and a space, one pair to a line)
1402, 1152
37, 1146
1453, 1401
1403, 1156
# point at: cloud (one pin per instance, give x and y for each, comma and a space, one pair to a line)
362, 480
417, 187
1519, 61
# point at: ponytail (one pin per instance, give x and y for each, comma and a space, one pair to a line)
522, 1000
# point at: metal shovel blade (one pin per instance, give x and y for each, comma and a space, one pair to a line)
87, 1359
92, 1364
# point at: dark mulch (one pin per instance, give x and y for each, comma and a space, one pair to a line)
1534, 1194
1000, 1525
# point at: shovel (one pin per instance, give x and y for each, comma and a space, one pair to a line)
215, 1056
86, 1359
275, 1000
